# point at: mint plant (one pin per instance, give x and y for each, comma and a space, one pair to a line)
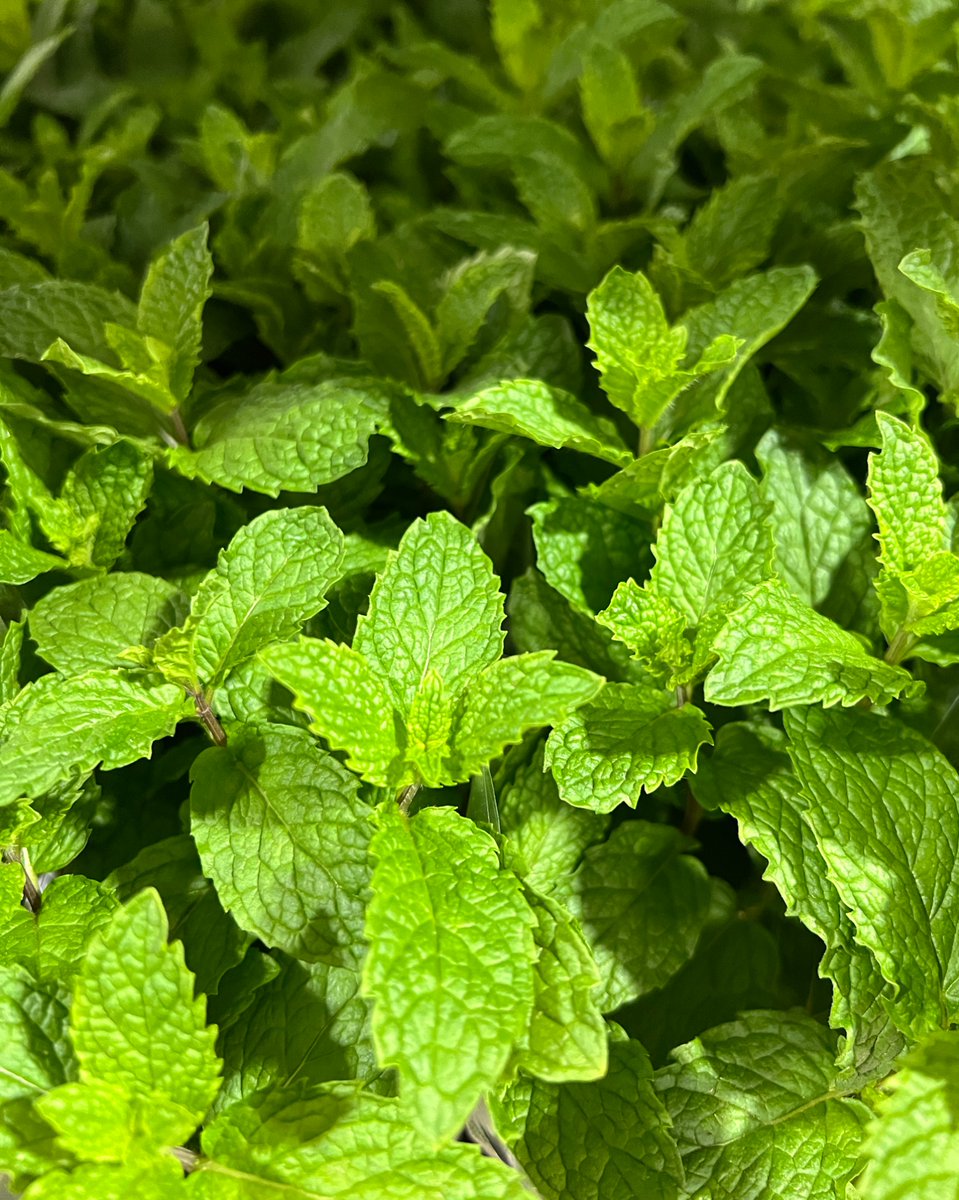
479, 601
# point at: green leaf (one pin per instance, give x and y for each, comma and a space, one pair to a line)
52, 942
37, 1056
436, 607
546, 415
545, 837
159, 1177
609, 1140
753, 310
309, 1023
450, 965
212, 942
510, 697
271, 578
282, 833
284, 436
642, 903
339, 1145
820, 520
472, 288
61, 725
755, 1111
86, 625
883, 804
101, 498
906, 496
653, 629
749, 776
10, 654
19, 563
176, 288
775, 648
34, 315
584, 549
136, 1025
629, 740
913, 1146
567, 1034
714, 545
348, 703
639, 357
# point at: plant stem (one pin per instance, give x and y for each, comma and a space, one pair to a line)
209, 718
407, 796
187, 1159
32, 895
899, 647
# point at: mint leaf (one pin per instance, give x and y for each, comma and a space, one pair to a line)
136, 1025
308, 1024
345, 699
34, 315
567, 1034
545, 837
61, 725
641, 903
639, 357
627, 741
544, 414
176, 288
512, 696
52, 942
158, 1177
282, 833
820, 520
906, 496
755, 1111
750, 776
37, 1056
450, 964
913, 1143
271, 578
86, 625
863, 778
587, 1141
584, 549
101, 498
284, 436
774, 648
19, 563
335, 1143
212, 942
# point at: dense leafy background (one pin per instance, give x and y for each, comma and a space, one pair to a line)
480, 599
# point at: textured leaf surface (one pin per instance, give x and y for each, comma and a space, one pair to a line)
284, 436
61, 725
136, 1025
86, 625
273, 576
906, 496
436, 606
642, 904
628, 740
820, 519
545, 837
567, 1033
884, 806
547, 416
913, 1147
19, 563
584, 549
755, 1114
750, 776
609, 1140
212, 941
328, 1145
775, 648
157, 1178
347, 701
450, 965
282, 833
53, 941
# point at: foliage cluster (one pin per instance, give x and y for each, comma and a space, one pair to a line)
480, 599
